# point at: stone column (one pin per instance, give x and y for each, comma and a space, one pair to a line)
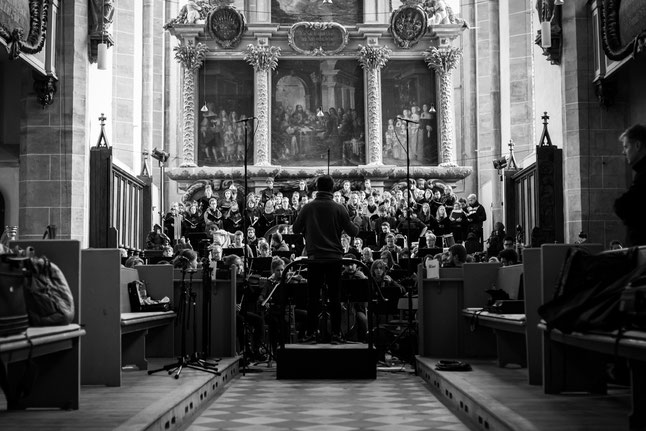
148, 78
263, 59
191, 56
443, 61
372, 59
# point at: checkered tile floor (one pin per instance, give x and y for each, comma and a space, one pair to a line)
397, 401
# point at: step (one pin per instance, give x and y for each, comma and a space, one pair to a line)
326, 361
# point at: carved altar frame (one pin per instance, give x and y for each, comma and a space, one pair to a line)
365, 35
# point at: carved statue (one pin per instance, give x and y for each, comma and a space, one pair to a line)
437, 12
192, 12
101, 14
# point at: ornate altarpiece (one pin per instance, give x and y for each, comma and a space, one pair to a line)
325, 79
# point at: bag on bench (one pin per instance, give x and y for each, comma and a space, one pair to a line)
48, 296
141, 302
589, 291
13, 309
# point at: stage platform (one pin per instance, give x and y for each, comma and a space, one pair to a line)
326, 361
142, 402
494, 398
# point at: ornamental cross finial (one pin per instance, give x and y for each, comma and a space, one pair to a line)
545, 141
103, 140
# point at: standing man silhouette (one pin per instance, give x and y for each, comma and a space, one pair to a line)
322, 221
630, 206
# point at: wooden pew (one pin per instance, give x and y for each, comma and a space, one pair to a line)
54, 350
509, 329
577, 361
439, 303
116, 336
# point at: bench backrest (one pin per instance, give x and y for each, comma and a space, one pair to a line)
509, 279
158, 279
126, 276
478, 277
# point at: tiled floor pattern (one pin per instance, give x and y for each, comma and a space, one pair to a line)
398, 401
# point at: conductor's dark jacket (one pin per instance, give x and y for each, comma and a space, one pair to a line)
321, 222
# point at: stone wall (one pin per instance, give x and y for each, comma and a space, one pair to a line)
594, 168
53, 141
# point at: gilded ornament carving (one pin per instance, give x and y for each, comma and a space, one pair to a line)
262, 112
262, 57
447, 140
443, 61
408, 25
372, 59
375, 152
16, 43
317, 38
191, 57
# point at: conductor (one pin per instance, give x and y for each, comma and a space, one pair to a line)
321, 222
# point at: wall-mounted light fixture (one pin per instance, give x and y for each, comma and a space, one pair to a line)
549, 37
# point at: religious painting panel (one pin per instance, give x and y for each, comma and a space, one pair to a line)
347, 12
317, 112
226, 96
409, 92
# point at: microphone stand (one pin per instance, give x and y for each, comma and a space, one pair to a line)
245, 240
328, 159
410, 326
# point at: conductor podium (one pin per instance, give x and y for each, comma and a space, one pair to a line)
324, 360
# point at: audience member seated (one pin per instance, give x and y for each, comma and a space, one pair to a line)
358, 309
388, 259
389, 288
156, 239
508, 257
134, 260
457, 256
277, 243
390, 246
366, 256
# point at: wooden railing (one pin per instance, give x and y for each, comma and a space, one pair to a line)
119, 203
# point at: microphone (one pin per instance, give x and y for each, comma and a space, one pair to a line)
407, 120
246, 119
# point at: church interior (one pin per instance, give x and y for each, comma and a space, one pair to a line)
159, 268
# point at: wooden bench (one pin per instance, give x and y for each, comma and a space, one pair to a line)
509, 329
117, 337
576, 362
54, 350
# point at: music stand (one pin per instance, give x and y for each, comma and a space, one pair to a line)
284, 254
260, 265
423, 252
233, 250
